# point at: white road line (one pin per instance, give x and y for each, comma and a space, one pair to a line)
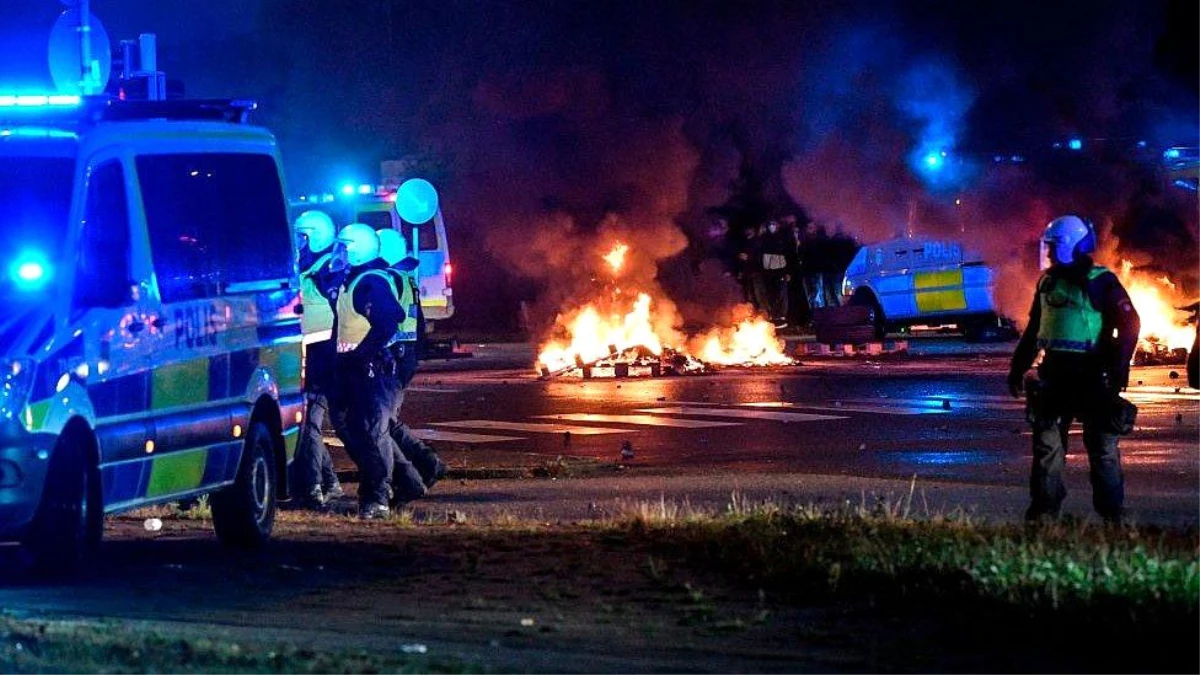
880, 409
1158, 389
533, 427
456, 437
648, 420
435, 390
744, 414
1159, 398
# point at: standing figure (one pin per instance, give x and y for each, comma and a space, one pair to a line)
369, 316
313, 478
393, 249
1087, 328
776, 263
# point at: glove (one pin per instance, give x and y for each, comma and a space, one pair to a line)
1016, 383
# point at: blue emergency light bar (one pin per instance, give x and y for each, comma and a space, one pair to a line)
38, 100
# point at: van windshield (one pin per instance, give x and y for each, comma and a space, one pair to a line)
35, 201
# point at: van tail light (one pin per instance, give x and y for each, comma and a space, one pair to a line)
447, 269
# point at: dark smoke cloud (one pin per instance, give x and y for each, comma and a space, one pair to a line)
552, 128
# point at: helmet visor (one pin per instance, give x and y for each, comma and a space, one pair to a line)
1056, 251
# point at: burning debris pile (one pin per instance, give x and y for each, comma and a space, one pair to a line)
1167, 332
621, 334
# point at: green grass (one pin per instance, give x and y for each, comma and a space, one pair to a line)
1070, 566
32, 646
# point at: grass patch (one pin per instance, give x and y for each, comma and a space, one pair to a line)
1073, 567
28, 646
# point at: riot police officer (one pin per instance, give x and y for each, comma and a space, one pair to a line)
313, 476
393, 249
369, 315
1085, 324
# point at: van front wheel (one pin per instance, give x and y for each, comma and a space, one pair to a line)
244, 513
70, 520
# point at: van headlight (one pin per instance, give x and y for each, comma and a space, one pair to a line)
16, 381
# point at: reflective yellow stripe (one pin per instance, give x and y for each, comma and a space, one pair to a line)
940, 291
941, 301
943, 279
179, 384
177, 472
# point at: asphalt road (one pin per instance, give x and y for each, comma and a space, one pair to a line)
938, 425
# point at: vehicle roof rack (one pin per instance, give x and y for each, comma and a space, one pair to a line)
224, 110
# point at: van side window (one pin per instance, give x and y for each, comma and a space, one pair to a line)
103, 262
216, 220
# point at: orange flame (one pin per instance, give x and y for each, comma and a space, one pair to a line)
750, 341
616, 257
592, 336
1155, 299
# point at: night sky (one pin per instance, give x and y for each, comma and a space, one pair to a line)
552, 127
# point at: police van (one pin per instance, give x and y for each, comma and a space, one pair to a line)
376, 206
920, 281
150, 347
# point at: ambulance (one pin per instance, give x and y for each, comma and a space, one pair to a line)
150, 344
907, 282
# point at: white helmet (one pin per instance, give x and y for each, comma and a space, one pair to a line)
360, 243
317, 230
1066, 238
393, 247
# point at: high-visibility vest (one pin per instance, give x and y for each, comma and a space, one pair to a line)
410, 301
318, 314
353, 327
1069, 321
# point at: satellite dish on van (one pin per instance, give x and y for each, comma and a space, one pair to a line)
66, 60
416, 200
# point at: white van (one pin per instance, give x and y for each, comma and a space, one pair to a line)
150, 344
907, 282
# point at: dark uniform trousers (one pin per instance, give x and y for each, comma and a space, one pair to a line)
368, 391
313, 466
1051, 409
412, 449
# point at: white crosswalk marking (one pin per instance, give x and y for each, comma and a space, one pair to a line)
855, 407
456, 437
648, 420
742, 414
533, 427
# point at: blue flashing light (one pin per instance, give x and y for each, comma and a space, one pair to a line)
364, 189
1075, 144
1171, 153
30, 271
314, 198
38, 100
1141, 144
348, 189
326, 198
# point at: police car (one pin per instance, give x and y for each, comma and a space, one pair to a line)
913, 281
150, 347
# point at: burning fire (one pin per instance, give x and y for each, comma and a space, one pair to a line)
616, 257
614, 329
1156, 299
